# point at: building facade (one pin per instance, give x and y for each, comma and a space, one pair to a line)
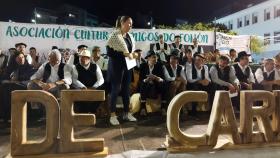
261, 19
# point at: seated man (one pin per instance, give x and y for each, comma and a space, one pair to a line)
175, 76
18, 80
87, 75
98, 59
198, 77
243, 71
151, 80
52, 76
267, 78
223, 78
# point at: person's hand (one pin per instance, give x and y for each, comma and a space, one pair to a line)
13, 78
204, 82
277, 82
60, 82
247, 86
136, 55
49, 86
231, 88
129, 55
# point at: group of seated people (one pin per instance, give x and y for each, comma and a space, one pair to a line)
160, 77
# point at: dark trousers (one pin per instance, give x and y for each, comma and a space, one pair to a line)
234, 100
151, 90
120, 79
5, 97
199, 87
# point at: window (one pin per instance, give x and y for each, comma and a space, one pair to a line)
277, 11
276, 37
266, 14
239, 22
254, 18
266, 39
230, 25
247, 20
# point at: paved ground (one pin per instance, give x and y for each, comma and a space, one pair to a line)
142, 139
147, 134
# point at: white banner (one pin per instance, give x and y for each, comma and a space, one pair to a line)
226, 42
44, 36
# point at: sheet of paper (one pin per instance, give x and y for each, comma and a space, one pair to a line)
130, 63
231, 95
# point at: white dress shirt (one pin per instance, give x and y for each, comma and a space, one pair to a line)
215, 78
199, 74
259, 74
54, 76
251, 78
195, 49
102, 63
79, 84
169, 78
160, 53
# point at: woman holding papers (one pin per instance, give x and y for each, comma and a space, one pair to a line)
120, 49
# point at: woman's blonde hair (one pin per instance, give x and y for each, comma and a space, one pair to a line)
120, 20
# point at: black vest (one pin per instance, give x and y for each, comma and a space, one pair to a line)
198, 48
174, 46
240, 75
194, 72
270, 77
225, 75
76, 59
170, 71
158, 46
87, 77
47, 71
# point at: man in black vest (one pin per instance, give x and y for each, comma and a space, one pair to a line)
162, 50
151, 80
243, 71
177, 45
223, 75
52, 76
223, 78
17, 81
195, 47
266, 77
232, 55
87, 75
174, 75
198, 77
74, 58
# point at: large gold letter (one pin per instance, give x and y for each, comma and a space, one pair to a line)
69, 119
173, 118
19, 143
222, 111
262, 113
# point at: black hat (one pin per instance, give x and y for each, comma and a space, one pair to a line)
242, 54
54, 47
19, 44
81, 46
175, 53
177, 36
150, 53
199, 55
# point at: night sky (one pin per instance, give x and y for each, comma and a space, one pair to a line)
163, 11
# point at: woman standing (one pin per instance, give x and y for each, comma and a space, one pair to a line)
120, 45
